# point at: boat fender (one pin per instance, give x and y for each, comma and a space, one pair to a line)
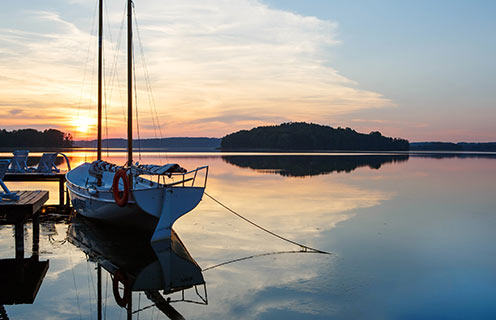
120, 276
121, 198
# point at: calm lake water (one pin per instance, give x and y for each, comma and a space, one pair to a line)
410, 237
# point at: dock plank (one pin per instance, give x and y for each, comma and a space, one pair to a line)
28, 204
27, 197
41, 177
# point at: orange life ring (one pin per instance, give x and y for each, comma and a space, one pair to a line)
121, 198
120, 276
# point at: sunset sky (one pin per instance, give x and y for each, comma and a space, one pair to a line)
421, 70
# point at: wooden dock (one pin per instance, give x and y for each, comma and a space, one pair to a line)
21, 277
28, 204
37, 176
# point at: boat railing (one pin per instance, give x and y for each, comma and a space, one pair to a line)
190, 178
193, 178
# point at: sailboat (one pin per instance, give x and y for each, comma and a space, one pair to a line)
143, 197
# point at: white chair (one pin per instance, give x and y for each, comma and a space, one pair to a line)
6, 193
19, 162
47, 163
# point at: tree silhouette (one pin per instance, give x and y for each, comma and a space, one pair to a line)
310, 136
31, 138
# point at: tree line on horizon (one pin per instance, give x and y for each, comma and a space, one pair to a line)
450, 146
310, 136
32, 138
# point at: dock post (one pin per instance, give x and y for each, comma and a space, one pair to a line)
36, 236
19, 240
61, 192
99, 288
67, 198
19, 251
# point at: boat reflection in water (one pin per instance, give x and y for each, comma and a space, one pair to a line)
158, 269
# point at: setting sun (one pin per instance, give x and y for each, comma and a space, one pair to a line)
83, 124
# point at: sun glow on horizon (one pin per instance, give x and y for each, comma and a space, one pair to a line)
217, 67
82, 124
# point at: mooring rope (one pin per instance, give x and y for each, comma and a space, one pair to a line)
304, 247
258, 256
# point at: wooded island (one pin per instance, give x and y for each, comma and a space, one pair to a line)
309, 136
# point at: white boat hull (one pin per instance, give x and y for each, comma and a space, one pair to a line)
152, 207
108, 211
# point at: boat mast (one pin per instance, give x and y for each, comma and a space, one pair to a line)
129, 83
100, 76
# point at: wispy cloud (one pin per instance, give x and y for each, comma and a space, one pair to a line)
215, 66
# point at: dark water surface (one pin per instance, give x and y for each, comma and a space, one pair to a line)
411, 237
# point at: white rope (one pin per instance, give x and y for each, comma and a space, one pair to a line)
258, 256
304, 247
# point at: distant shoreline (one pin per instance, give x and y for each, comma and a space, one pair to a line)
255, 151
184, 144
287, 137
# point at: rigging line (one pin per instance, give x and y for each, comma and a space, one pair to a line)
136, 105
89, 109
75, 286
256, 256
88, 277
145, 72
143, 309
107, 130
105, 103
93, 30
105, 301
87, 59
114, 74
135, 91
151, 97
107, 96
264, 229
154, 124
147, 81
139, 305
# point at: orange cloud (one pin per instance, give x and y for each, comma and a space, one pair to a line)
215, 67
